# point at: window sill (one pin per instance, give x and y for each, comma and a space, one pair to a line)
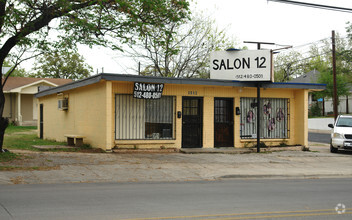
264, 140
146, 141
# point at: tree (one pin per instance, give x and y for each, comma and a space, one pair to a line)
321, 56
293, 64
20, 72
287, 66
62, 64
25, 26
180, 50
322, 61
341, 83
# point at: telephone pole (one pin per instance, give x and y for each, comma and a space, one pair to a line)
334, 73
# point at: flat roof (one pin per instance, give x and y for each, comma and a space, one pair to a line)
166, 80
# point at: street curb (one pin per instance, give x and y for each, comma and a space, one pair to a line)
278, 176
319, 131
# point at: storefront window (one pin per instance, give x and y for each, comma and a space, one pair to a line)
274, 118
144, 119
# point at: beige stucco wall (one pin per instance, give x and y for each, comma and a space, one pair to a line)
92, 113
87, 115
27, 107
300, 117
9, 109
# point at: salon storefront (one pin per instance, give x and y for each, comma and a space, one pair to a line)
113, 110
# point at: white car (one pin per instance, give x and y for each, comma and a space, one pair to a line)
341, 134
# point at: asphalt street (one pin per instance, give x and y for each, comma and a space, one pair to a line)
226, 199
319, 137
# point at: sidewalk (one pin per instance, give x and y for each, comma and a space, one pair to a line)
127, 167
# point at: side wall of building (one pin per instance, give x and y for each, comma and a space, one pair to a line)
86, 115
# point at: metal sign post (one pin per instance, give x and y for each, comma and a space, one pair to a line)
258, 95
258, 117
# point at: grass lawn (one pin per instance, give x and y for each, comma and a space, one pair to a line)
15, 129
8, 156
26, 141
23, 138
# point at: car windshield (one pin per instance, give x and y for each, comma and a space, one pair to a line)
344, 122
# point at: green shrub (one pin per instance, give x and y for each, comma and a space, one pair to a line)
315, 110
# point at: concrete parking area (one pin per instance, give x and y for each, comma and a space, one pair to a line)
63, 167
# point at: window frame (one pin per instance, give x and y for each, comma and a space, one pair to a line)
264, 122
133, 137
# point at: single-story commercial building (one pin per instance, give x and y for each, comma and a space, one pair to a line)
113, 110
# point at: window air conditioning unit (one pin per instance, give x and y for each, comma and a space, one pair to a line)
62, 104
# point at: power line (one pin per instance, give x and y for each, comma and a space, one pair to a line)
312, 5
317, 42
314, 42
306, 58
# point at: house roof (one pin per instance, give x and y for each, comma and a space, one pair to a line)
16, 82
310, 77
187, 81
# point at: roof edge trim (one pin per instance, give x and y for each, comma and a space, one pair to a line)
69, 86
180, 81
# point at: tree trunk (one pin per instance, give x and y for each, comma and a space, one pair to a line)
4, 122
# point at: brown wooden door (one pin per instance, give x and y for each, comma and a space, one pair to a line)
223, 122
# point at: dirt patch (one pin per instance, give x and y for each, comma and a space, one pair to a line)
48, 160
17, 180
28, 160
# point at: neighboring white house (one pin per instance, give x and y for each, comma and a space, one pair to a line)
21, 106
345, 105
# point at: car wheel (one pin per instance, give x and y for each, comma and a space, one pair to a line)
332, 149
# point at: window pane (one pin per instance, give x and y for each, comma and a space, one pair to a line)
159, 118
144, 119
273, 118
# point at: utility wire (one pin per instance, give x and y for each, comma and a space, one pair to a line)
306, 58
312, 5
307, 44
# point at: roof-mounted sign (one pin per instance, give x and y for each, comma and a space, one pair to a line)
147, 90
243, 65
